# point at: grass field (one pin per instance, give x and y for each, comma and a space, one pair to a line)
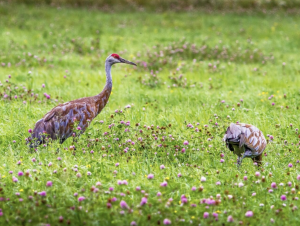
188, 65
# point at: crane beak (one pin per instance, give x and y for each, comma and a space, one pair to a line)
126, 61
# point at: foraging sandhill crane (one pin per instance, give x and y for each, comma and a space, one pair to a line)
246, 141
59, 122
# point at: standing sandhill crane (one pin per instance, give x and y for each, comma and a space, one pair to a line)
59, 122
246, 141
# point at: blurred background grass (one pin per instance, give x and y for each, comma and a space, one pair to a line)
169, 4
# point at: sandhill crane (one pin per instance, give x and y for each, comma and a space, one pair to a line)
246, 141
59, 122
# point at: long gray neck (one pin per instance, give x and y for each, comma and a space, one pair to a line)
108, 75
102, 98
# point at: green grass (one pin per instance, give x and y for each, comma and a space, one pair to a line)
79, 41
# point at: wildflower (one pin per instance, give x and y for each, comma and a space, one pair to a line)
143, 201
14, 179
167, 222
253, 194
111, 188
290, 165
273, 185
249, 214
20, 173
123, 205
150, 176
257, 174
78, 175
81, 198
241, 184
114, 199
89, 173
283, 197
75, 194
203, 179
229, 218
179, 175
205, 215
215, 215
183, 199
133, 223
117, 164
30, 131
245, 178
222, 160
193, 188
164, 184
218, 183
49, 184
162, 167
43, 193
108, 205
185, 142
298, 177
158, 194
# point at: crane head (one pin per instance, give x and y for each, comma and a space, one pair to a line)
115, 58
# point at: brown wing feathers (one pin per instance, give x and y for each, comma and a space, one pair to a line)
246, 137
59, 122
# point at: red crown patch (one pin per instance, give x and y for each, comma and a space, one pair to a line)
114, 55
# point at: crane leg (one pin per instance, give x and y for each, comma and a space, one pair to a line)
239, 162
258, 160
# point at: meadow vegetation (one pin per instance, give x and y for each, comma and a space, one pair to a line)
154, 155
